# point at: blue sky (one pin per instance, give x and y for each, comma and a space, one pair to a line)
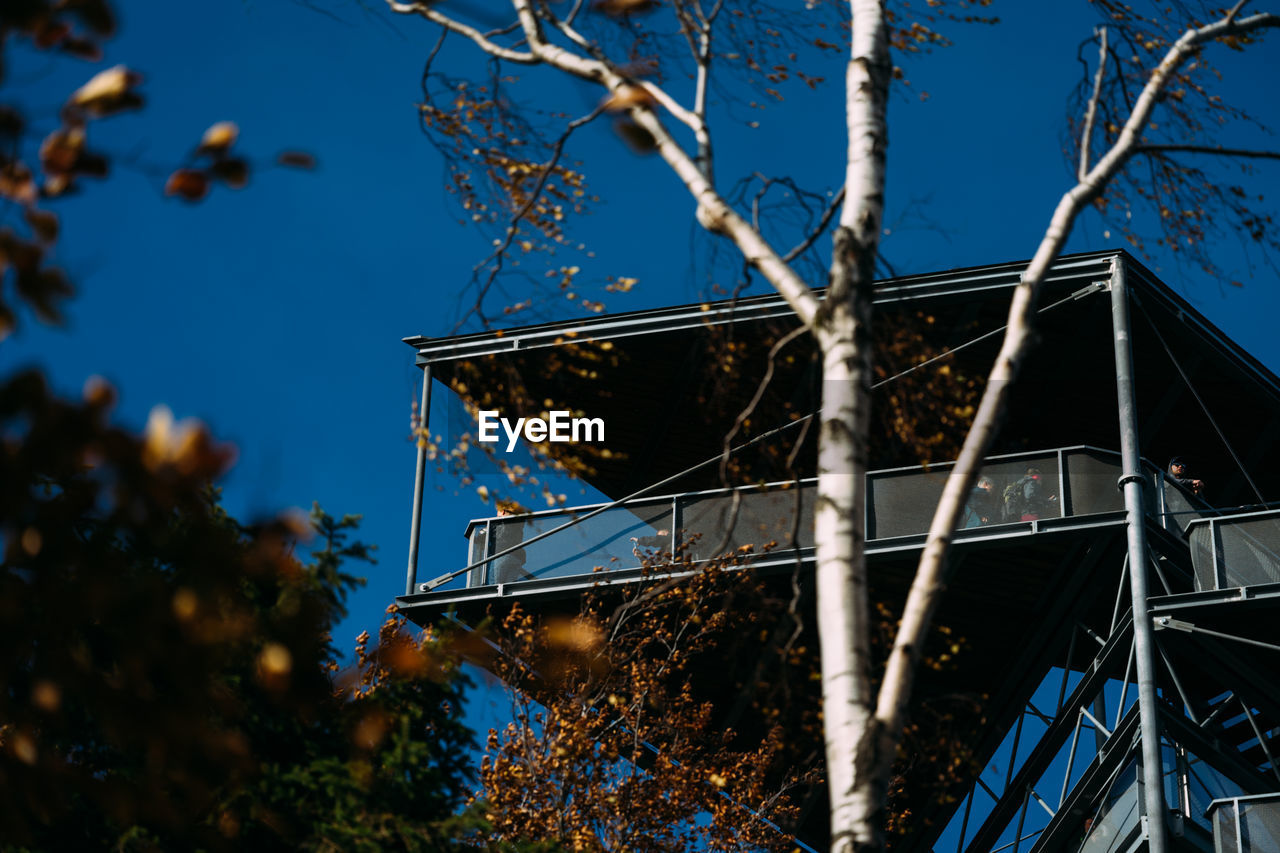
275, 313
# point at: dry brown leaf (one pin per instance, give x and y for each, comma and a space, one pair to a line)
296, 159
619, 8
232, 171
190, 184
637, 138
627, 97
17, 183
49, 33
44, 224
60, 151
81, 48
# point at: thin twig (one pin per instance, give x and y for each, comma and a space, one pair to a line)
1092, 110
817, 232
495, 257
1207, 149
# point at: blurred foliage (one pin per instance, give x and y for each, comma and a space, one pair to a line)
168, 675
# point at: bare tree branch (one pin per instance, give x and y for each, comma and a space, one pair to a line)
1091, 111
1207, 149
513, 226
803, 245
427, 10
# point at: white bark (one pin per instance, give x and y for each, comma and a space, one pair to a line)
843, 334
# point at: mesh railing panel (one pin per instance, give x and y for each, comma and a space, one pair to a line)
1201, 541
1259, 826
1249, 552
475, 553
1091, 482
616, 538
1180, 509
902, 502
762, 518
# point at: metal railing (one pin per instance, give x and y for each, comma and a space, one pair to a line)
1023, 487
1246, 824
1236, 550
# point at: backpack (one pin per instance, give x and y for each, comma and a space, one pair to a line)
1022, 496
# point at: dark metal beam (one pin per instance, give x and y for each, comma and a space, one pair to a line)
1071, 271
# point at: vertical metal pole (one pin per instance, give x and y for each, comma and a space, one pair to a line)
1131, 483
420, 476
1064, 494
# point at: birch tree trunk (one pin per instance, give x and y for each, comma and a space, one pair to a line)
842, 328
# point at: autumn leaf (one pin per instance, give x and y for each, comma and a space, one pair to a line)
81, 48
232, 171
17, 183
219, 138
190, 184
43, 289
296, 159
96, 15
49, 33
185, 446
44, 224
637, 138
621, 8
108, 92
627, 97
60, 151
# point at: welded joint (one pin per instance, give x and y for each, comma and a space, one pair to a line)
1127, 479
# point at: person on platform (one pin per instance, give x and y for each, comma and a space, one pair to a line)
1029, 498
981, 508
1180, 473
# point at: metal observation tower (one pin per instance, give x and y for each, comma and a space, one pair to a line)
1122, 636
